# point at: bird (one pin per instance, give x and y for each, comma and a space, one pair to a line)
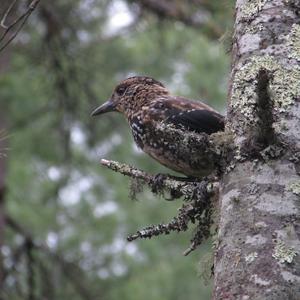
145, 103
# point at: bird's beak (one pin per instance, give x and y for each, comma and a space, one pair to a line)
104, 108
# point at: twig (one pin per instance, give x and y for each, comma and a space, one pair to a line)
182, 186
178, 223
7, 13
21, 19
197, 210
202, 231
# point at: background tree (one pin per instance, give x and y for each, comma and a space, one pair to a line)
4, 67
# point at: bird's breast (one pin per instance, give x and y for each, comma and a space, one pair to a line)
162, 148
139, 131
170, 154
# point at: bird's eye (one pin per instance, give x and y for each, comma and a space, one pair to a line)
121, 90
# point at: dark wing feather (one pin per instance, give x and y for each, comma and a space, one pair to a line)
191, 115
198, 120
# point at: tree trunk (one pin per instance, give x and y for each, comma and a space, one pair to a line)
258, 246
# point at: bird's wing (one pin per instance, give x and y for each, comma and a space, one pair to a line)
191, 115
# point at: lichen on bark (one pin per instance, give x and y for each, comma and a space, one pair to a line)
258, 239
283, 253
293, 40
284, 86
251, 7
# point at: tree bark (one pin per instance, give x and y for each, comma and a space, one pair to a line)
258, 245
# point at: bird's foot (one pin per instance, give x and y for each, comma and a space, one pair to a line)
158, 185
187, 179
158, 181
178, 178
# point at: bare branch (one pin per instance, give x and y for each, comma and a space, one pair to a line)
21, 20
6, 14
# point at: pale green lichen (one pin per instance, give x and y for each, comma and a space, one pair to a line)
293, 41
215, 242
252, 7
284, 86
294, 187
283, 253
252, 29
251, 257
281, 126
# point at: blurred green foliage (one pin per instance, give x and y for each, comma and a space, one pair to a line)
56, 188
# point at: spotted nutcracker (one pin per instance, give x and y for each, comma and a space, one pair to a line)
145, 102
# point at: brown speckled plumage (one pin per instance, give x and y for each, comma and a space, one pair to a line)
145, 102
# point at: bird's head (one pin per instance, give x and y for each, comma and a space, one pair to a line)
131, 94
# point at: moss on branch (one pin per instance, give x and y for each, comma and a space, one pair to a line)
207, 153
197, 207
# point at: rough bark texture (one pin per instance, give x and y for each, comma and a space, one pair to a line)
258, 246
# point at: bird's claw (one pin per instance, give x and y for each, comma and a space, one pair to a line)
157, 183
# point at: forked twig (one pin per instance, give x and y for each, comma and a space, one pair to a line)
19, 20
